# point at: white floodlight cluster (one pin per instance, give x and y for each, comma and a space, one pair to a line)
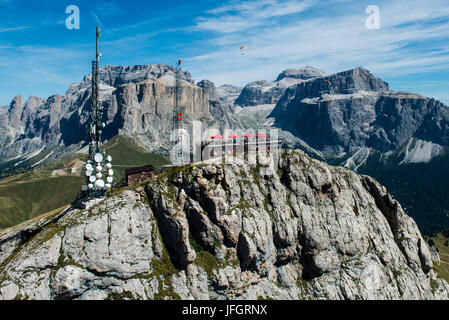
95, 171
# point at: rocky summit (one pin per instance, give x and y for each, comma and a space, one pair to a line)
266, 92
299, 229
350, 118
136, 100
353, 109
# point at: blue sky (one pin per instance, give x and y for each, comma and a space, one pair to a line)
40, 56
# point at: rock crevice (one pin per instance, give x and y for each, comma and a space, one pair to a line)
301, 230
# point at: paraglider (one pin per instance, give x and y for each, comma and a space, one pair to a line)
243, 50
330, 84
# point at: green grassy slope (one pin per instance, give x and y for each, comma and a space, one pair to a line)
21, 165
441, 241
28, 195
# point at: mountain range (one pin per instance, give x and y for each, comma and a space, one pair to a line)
349, 119
300, 228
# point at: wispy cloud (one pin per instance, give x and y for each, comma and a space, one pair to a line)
105, 9
331, 35
240, 16
108, 9
262, 8
43, 70
413, 38
14, 28
97, 19
137, 25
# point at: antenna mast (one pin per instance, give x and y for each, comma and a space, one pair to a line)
95, 113
97, 162
177, 112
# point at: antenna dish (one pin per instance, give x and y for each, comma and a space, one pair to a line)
89, 167
99, 168
108, 165
99, 175
92, 179
90, 186
98, 157
108, 186
88, 173
110, 172
99, 183
109, 158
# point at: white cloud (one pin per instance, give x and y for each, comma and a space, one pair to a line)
97, 19
413, 38
14, 29
240, 16
280, 34
108, 9
50, 69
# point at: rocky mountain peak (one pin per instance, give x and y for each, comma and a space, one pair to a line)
228, 93
357, 79
115, 76
16, 103
265, 92
33, 102
300, 230
136, 99
303, 73
352, 109
257, 83
15, 110
348, 82
30, 108
210, 88
229, 87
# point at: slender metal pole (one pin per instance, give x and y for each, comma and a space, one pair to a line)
94, 126
177, 110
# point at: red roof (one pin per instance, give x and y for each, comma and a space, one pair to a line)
234, 136
248, 135
262, 135
217, 136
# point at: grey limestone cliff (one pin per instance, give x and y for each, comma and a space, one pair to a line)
300, 230
266, 92
136, 99
358, 110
